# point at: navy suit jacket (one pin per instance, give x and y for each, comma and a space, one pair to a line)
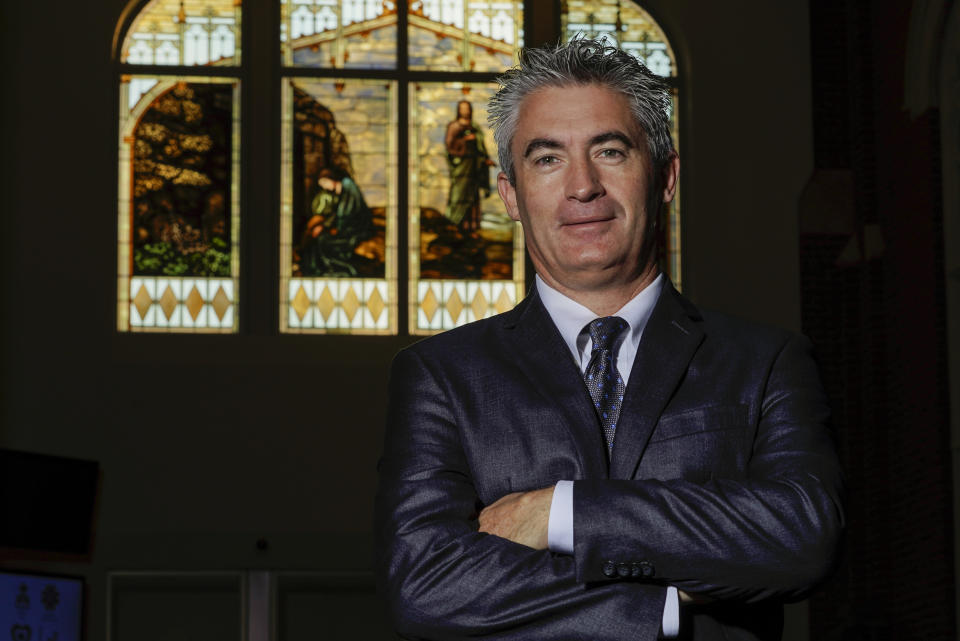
723, 481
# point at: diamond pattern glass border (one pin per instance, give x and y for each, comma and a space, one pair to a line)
445, 304
182, 303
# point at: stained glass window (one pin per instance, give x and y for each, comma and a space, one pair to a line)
179, 209
466, 254
625, 24
339, 207
179, 168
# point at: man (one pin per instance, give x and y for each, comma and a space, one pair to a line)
469, 169
604, 461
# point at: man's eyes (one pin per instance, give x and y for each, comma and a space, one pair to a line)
543, 161
612, 153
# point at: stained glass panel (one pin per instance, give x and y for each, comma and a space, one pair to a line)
669, 227
623, 23
178, 204
466, 254
339, 207
464, 35
339, 34
186, 33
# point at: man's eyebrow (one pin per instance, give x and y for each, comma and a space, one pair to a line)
607, 136
541, 143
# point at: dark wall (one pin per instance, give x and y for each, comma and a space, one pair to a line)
873, 301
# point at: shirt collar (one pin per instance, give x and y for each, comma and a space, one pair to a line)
570, 317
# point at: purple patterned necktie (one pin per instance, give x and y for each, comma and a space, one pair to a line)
601, 376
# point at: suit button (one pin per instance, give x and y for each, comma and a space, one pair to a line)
609, 569
623, 570
635, 570
646, 569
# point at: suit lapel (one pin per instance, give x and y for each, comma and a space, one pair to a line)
669, 341
540, 352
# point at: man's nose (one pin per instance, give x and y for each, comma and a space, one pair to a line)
583, 181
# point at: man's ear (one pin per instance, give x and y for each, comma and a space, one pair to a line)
508, 194
670, 174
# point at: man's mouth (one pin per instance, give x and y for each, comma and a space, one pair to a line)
579, 223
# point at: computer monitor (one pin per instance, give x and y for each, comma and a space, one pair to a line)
40, 607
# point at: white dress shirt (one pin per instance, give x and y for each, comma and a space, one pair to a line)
571, 318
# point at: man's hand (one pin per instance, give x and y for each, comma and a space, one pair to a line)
521, 517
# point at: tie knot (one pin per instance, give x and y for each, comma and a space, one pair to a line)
604, 331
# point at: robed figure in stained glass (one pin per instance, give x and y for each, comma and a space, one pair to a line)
341, 220
469, 166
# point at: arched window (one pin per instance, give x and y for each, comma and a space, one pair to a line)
387, 213
179, 197
627, 25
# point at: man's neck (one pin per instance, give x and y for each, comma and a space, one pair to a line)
606, 300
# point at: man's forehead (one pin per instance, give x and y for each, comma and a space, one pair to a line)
585, 112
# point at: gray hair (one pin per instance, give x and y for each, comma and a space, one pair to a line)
582, 61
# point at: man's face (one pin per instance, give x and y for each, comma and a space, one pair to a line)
584, 188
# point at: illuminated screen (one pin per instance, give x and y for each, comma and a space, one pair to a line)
35, 607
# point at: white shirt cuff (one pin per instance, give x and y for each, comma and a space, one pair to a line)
560, 539
560, 525
671, 614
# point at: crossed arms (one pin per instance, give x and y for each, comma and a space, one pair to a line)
769, 533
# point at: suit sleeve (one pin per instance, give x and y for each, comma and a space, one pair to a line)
445, 580
772, 534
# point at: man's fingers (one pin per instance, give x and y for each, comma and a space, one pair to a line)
521, 517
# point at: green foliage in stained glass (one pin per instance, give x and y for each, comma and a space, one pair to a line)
181, 183
162, 259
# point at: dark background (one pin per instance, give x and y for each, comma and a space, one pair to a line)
812, 183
